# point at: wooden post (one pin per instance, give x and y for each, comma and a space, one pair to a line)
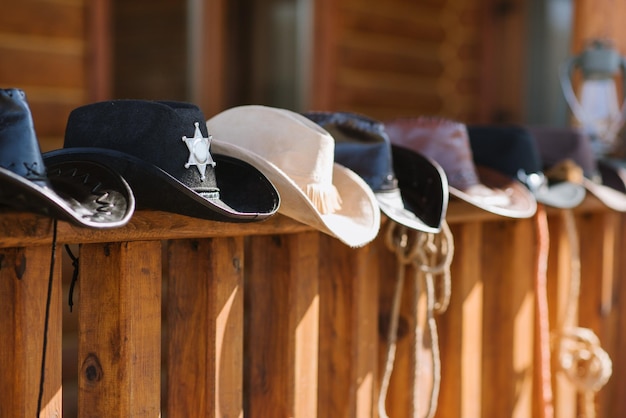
119, 347
205, 328
282, 325
348, 352
461, 328
596, 288
508, 260
24, 274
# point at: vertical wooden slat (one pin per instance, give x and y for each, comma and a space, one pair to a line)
24, 274
614, 393
462, 328
406, 392
119, 345
596, 288
282, 325
508, 272
205, 328
348, 358
559, 281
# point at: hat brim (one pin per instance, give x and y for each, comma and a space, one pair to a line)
612, 190
562, 195
355, 224
610, 197
245, 194
519, 202
83, 193
423, 193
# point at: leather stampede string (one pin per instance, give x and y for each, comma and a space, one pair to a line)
542, 314
430, 255
580, 356
42, 377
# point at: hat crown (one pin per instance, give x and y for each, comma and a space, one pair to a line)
442, 140
362, 145
19, 148
300, 148
507, 149
170, 135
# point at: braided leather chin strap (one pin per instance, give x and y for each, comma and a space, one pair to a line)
430, 255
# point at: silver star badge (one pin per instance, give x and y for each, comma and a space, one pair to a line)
199, 154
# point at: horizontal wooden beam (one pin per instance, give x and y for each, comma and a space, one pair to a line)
19, 229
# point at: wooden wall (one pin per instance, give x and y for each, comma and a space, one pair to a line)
458, 59
43, 50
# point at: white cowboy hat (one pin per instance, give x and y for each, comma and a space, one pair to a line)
297, 156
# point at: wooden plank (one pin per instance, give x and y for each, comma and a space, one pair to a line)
30, 229
62, 69
282, 325
348, 356
52, 19
205, 300
614, 392
462, 329
412, 375
597, 282
119, 312
508, 339
24, 229
24, 281
559, 281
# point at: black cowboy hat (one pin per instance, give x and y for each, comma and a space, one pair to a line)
83, 193
163, 149
512, 150
560, 144
411, 189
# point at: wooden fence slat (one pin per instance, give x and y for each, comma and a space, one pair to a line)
205, 328
508, 260
119, 345
24, 274
348, 356
461, 328
282, 325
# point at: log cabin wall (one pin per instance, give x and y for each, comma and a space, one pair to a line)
43, 45
460, 60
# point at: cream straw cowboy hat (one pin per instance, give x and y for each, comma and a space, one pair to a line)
297, 155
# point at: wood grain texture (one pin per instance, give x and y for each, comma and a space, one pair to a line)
282, 325
348, 349
205, 328
119, 345
24, 274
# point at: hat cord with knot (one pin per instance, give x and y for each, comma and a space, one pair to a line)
430, 255
580, 356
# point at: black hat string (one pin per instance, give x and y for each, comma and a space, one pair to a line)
47, 317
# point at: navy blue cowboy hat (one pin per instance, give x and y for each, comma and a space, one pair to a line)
411, 189
84, 193
163, 149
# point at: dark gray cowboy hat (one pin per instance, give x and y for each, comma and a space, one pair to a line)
417, 198
512, 150
84, 193
446, 142
600, 178
163, 149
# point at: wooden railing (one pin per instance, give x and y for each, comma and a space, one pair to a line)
182, 317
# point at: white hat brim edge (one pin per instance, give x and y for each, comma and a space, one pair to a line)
357, 222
